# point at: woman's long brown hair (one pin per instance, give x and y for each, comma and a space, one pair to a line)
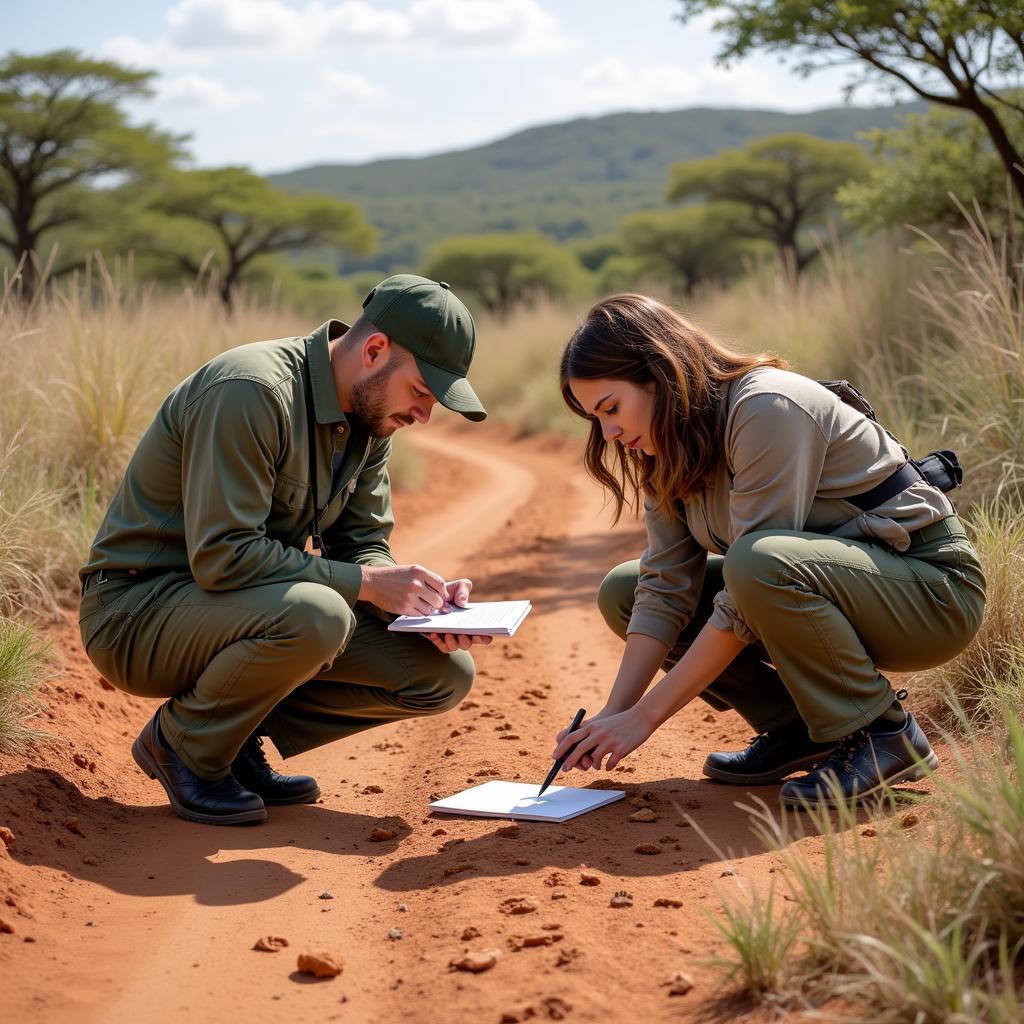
641, 340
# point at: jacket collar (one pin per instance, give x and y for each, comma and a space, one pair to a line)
325, 394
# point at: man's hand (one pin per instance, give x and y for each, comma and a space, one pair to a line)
613, 736
457, 594
404, 589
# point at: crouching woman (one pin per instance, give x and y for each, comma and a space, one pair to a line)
769, 586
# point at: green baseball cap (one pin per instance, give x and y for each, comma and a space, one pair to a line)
429, 320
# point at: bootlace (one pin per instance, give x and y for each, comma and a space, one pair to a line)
253, 753
842, 756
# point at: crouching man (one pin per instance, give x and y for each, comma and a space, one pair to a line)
199, 588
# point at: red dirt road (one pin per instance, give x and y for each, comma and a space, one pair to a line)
137, 915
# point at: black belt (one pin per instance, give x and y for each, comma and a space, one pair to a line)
907, 475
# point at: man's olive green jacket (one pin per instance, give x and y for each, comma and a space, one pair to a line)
219, 484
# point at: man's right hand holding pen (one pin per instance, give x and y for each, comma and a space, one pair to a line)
414, 590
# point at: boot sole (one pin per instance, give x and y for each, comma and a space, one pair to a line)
764, 778
914, 773
145, 761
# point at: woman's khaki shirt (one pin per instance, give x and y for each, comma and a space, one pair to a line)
793, 453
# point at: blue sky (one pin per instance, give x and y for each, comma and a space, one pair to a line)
276, 84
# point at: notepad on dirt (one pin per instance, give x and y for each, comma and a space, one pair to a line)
520, 800
482, 618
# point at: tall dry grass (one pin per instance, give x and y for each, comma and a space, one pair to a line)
907, 916
82, 372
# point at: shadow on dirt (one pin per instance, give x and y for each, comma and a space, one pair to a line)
149, 851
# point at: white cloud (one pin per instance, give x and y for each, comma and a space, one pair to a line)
343, 87
426, 28
161, 54
614, 84
509, 24
201, 91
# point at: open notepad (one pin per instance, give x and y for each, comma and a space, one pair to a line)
520, 800
483, 618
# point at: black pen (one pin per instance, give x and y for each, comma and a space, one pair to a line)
558, 764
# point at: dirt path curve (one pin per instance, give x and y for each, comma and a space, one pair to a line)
148, 917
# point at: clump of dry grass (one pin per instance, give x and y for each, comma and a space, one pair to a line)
913, 917
22, 662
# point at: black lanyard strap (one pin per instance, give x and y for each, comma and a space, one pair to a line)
314, 530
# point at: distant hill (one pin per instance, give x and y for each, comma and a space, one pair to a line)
572, 180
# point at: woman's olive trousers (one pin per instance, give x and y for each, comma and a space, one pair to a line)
832, 616
292, 660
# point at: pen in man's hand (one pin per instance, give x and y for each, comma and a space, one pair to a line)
574, 725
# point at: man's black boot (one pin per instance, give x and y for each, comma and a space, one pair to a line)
770, 757
253, 772
217, 802
863, 763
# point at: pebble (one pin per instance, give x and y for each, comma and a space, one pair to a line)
7, 836
6, 928
518, 942
621, 899
587, 878
439, 832
644, 814
74, 825
558, 894
667, 901
326, 895
403, 908
509, 832
372, 789
650, 849
470, 933
270, 943
869, 832
909, 820
395, 934
475, 962
728, 872
321, 963
678, 984
382, 835
516, 905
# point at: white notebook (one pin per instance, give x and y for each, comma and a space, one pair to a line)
520, 800
482, 618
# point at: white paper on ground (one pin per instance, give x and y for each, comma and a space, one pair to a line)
519, 800
487, 618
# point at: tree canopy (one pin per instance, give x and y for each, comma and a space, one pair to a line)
687, 246
948, 52
783, 185
61, 129
504, 268
224, 219
918, 167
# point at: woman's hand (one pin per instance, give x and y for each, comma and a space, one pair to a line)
605, 735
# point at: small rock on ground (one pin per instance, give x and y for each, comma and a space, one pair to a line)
321, 963
678, 984
476, 961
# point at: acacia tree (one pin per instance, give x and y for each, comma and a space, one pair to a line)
225, 219
504, 268
783, 184
61, 129
688, 245
949, 52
